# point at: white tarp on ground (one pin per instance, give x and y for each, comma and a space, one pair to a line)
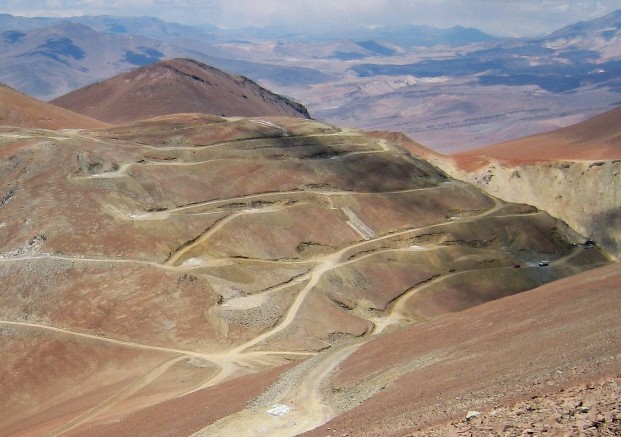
278, 410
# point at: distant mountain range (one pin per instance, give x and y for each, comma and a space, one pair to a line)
570, 52
448, 88
149, 27
155, 28
46, 62
578, 55
91, 48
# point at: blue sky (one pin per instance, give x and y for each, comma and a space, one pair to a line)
499, 17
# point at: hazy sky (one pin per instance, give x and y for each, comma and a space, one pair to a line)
500, 17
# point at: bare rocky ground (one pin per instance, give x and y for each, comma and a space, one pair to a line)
176, 86
572, 173
516, 359
591, 409
20, 110
202, 274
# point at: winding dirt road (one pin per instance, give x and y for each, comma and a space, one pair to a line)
301, 390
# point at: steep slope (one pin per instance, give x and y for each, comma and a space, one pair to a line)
176, 86
601, 34
191, 268
20, 110
148, 27
572, 173
512, 354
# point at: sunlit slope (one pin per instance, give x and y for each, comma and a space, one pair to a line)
176, 86
162, 258
596, 138
20, 110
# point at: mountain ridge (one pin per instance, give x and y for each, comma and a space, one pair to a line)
435, 96
176, 86
598, 137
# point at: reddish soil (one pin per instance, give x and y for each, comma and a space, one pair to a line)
48, 380
588, 409
169, 255
536, 343
184, 415
176, 86
593, 139
401, 140
20, 110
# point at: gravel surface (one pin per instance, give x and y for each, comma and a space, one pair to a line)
592, 409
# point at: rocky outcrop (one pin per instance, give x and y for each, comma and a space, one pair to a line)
584, 194
591, 409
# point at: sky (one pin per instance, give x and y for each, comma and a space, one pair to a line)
497, 17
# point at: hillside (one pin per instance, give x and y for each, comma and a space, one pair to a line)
20, 110
172, 87
598, 138
572, 173
187, 271
527, 363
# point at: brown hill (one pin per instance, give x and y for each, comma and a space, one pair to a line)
172, 87
598, 138
190, 271
20, 110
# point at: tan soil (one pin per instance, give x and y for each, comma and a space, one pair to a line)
216, 253
531, 344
